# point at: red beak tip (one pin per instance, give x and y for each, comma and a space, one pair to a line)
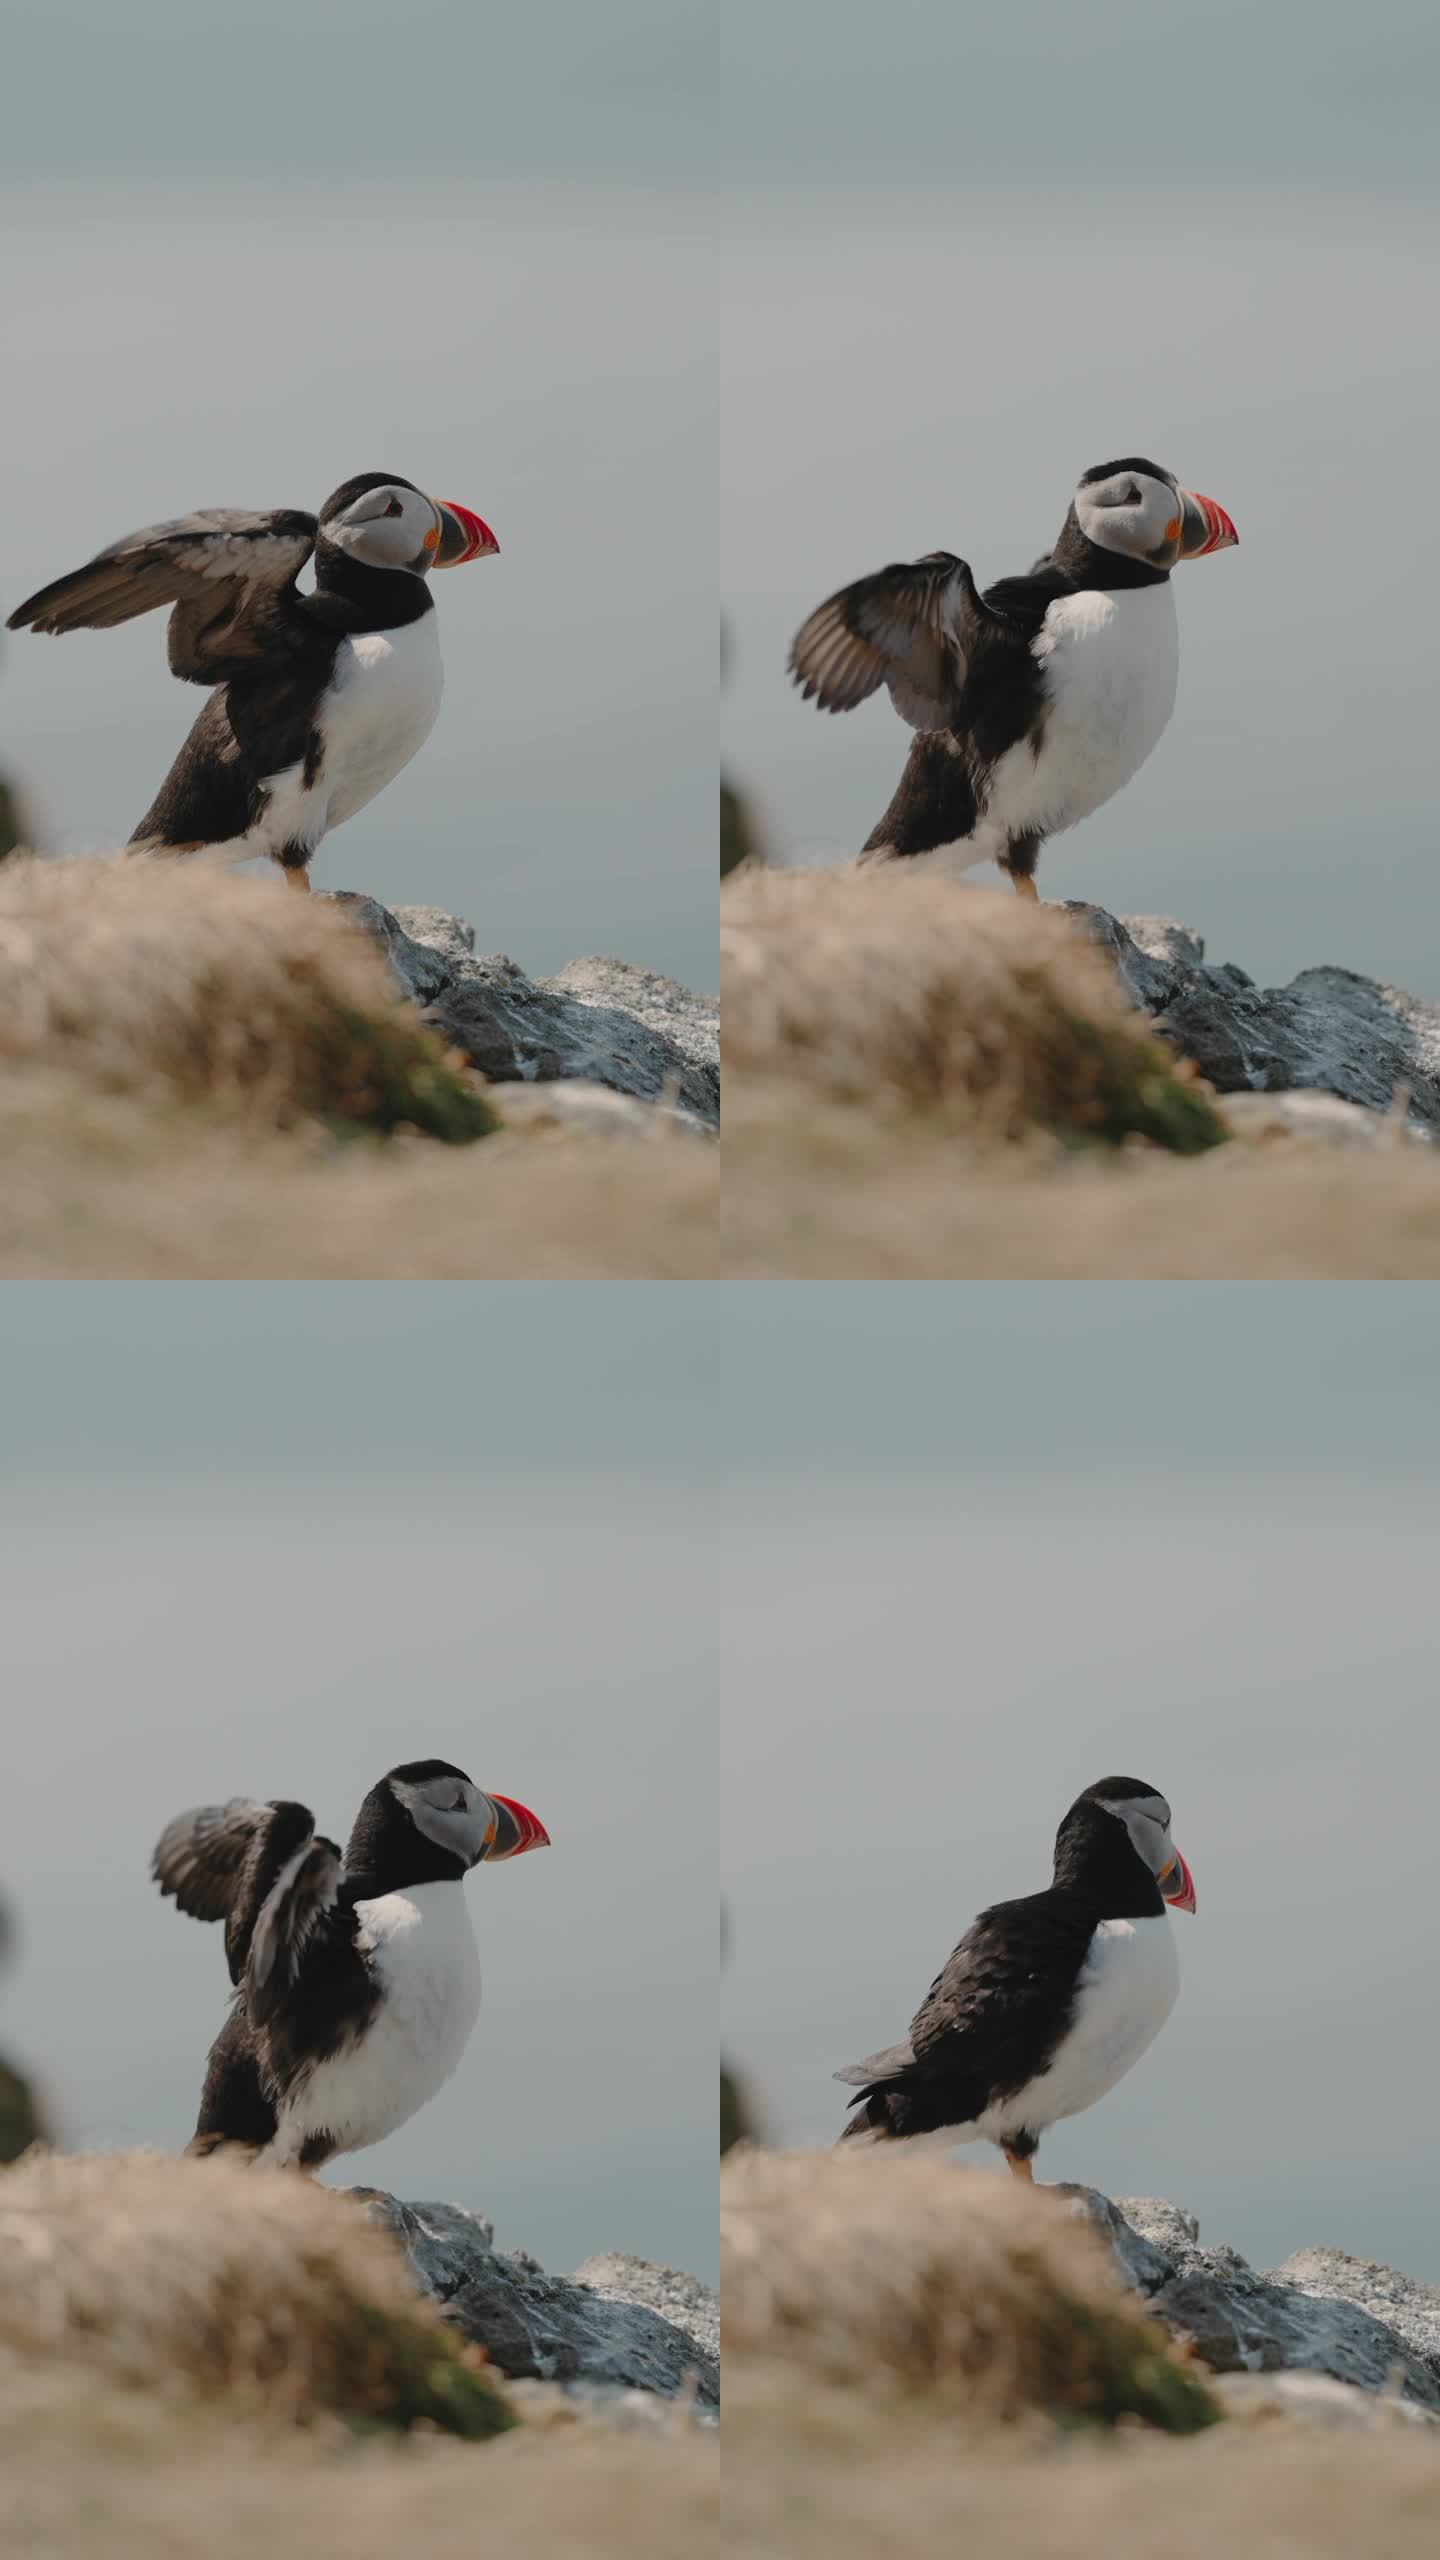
481, 541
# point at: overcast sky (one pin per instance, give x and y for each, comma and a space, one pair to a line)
261, 253
271, 1541
966, 256
989, 1544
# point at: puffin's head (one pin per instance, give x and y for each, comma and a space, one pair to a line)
425, 1821
390, 524
449, 1809
1145, 1816
1136, 508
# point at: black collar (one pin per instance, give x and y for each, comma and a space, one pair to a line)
351, 596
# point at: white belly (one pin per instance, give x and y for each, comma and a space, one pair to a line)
423, 1949
379, 710
1110, 665
1126, 1992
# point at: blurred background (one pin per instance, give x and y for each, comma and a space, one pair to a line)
271, 1541
968, 254
253, 255
1010, 1539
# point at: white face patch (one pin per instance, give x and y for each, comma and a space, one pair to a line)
388, 528
1147, 1819
450, 1811
1132, 512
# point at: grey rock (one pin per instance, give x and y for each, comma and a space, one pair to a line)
1411, 2308
601, 1022
569, 1103
606, 2406
1330, 1030
682, 2300
1322, 2312
450, 937
1316, 2400
1319, 1120
420, 971
605, 2330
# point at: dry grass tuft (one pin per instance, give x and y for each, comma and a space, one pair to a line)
107, 1186
185, 979
817, 2472
202, 2279
820, 1190
912, 2276
923, 995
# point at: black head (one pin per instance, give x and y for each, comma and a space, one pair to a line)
1114, 1846
1130, 522
426, 1822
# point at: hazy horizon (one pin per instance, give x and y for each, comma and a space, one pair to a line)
471, 252
271, 1541
1215, 255
1043, 1534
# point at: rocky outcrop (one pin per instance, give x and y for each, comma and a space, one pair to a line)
1329, 1031
1320, 2313
598, 1022
617, 2326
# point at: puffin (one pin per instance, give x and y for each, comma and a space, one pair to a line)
1046, 2002
1033, 703
318, 698
357, 1979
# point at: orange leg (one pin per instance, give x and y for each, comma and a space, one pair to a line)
1019, 2168
295, 879
1024, 886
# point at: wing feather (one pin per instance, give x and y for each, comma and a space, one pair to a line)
912, 626
223, 569
200, 1856
223, 1861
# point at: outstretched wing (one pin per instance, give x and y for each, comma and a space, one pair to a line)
913, 627
228, 575
223, 1861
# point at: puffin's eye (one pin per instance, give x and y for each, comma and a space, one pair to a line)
1132, 498
394, 508
459, 1805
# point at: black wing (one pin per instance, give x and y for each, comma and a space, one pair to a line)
913, 627
1022, 603
987, 2024
223, 1861
296, 1908
230, 577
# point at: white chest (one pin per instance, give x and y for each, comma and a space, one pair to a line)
380, 710
1126, 1992
1109, 665
422, 1948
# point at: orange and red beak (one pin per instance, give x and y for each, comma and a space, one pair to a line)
1204, 526
463, 536
516, 1830
1177, 1883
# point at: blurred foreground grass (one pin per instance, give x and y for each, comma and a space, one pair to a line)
821, 1190
92, 2472
925, 1082
105, 1186
199, 2360
814, 2472
923, 2360
207, 1078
